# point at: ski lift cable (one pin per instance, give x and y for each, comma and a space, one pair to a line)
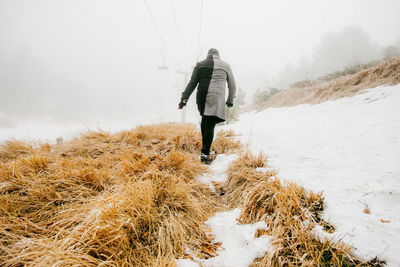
154, 22
178, 31
200, 30
174, 14
159, 33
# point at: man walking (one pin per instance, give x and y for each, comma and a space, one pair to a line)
211, 76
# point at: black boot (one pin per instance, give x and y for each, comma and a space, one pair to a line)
205, 159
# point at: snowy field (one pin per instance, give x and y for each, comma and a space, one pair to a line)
46, 132
349, 149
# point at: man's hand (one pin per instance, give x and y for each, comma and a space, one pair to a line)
182, 103
229, 105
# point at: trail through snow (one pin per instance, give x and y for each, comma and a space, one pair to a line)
217, 170
239, 245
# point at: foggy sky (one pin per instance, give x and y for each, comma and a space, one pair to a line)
87, 59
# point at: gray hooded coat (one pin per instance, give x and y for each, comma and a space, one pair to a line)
211, 76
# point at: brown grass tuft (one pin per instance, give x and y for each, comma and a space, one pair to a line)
13, 149
123, 199
225, 143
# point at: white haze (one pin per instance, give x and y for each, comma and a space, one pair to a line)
87, 60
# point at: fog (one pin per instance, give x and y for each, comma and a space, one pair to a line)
89, 60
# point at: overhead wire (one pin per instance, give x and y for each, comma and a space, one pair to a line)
200, 30
174, 14
178, 31
160, 35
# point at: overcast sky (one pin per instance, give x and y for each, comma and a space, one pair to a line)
100, 59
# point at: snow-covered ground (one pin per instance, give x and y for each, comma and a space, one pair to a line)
239, 246
49, 132
349, 149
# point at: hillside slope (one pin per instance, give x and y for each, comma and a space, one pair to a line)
320, 90
349, 149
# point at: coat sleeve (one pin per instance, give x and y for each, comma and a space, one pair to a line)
194, 80
231, 86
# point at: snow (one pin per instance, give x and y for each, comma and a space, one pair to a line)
187, 263
239, 242
239, 245
217, 170
42, 131
349, 149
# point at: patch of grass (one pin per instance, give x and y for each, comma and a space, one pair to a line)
131, 199
346, 83
226, 143
123, 199
290, 212
13, 149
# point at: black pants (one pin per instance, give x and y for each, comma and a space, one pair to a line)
207, 132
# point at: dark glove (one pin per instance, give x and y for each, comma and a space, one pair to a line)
229, 105
182, 103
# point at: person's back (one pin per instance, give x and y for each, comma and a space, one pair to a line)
211, 76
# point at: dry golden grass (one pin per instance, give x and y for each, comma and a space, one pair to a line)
225, 143
290, 213
123, 199
386, 73
131, 199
